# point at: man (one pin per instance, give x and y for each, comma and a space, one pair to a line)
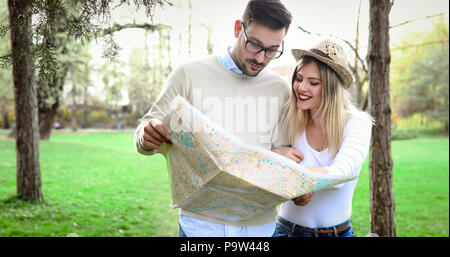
235, 91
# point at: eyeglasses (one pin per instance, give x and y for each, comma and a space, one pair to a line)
255, 48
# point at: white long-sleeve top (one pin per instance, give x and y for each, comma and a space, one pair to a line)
332, 206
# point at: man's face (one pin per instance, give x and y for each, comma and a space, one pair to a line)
257, 35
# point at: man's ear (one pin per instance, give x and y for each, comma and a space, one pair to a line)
237, 28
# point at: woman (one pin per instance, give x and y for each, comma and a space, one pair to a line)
328, 135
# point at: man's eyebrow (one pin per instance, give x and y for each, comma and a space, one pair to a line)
261, 43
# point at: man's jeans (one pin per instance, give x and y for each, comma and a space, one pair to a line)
285, 231
182, 234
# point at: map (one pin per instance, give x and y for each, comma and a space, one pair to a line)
214, 173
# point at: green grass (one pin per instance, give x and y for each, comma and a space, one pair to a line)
97, 185
93, 185
421, 189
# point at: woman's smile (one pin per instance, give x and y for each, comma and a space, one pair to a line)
303, 97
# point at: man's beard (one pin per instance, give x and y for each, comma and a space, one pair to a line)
248, 68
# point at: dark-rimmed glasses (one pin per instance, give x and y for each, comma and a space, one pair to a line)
255, 48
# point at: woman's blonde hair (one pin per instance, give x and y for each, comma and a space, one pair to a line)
334, 111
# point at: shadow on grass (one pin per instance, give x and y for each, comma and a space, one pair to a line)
16, 201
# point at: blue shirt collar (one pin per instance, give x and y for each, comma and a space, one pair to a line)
228, 62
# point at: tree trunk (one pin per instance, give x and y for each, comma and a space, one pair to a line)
381, 164
48, 113
85, 112
54, 88
27, 137
85, 105
74, 123
358, 83
6, 124
46, 120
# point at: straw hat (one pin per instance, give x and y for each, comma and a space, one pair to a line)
332, 55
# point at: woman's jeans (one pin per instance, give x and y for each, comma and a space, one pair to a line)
286, 231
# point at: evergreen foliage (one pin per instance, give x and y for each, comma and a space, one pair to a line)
55, 20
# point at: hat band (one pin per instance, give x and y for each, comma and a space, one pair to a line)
319, 52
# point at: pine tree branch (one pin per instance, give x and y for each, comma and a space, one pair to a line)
147, 26
419, 45
418, 19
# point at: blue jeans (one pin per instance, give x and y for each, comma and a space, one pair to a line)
285, 231
182, 234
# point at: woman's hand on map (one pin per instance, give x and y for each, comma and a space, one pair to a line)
303, 199
290, 153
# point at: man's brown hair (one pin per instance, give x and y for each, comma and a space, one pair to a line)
270, 13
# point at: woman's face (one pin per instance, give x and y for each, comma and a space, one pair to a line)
308, 87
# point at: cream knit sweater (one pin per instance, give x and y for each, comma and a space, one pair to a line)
248, 107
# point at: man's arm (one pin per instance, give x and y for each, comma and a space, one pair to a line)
150, 134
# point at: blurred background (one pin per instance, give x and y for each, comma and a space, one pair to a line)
96, 92
94, 183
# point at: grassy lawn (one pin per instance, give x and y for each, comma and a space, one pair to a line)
97, 185
421, 189
93, 185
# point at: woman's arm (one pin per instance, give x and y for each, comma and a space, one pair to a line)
351, 155
354, 148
